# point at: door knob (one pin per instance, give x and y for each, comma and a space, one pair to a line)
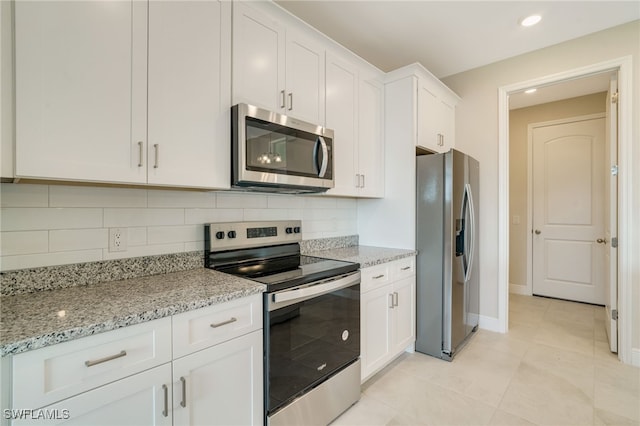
601, 241
537, 231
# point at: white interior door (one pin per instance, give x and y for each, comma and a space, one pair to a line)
568, 209
611, 216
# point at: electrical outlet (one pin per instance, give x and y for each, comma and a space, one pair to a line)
118, 239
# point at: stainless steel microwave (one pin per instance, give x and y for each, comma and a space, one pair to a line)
276, 153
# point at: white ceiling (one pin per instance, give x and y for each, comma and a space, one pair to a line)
449, 37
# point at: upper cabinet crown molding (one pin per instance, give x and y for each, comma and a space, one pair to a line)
418, 70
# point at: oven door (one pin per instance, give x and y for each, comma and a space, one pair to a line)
277, 151
311, 333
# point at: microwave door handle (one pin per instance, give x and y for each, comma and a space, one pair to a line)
316, 147
325, 156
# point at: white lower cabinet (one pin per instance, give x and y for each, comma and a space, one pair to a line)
387, 313
221, 385
128, 377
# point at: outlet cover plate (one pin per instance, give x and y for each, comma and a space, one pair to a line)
118, 239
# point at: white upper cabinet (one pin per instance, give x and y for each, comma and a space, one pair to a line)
82, 73
188, 104
81, 90
276, 68
354, 111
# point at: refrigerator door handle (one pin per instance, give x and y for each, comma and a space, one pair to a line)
472, 231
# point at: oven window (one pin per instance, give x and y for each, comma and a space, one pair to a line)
309, 341
273, 148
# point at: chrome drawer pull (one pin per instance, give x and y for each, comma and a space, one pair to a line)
377, 277
140, 154
405, 268
105, 359
165, 412
220, 324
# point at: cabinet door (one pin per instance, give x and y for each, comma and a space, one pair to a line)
428, 118
404, 314
81, 90
221, 385
258, 59
304, 78
136, 400
375, 317
448, 125
189, 95
342, 117
370, 141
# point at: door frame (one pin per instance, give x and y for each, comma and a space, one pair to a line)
530, 127
626, 226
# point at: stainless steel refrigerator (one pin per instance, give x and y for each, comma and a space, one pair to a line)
447, 287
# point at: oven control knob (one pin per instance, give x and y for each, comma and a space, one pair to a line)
296, 230
219, 235
289, 230
231, 234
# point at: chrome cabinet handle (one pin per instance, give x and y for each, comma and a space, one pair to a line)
220, 324
282, 95
362, 184
601, 241
139, 153
183, 403
165, 412
377, 277
357, 181
405, 268
157, 151
395, 298
290, 101
91, 363
391, 305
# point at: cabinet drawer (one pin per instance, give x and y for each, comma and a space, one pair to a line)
201, 328
374, 277
47, 375
403, 268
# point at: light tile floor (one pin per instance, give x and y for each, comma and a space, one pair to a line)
552, 368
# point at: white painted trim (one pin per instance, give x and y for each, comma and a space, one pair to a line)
519, 289
635, 357
626, 227
489, 323
530, 200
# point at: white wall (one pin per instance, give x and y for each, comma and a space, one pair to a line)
477, 133
44, 225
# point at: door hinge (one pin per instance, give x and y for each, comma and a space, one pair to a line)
614, 98
614, 170
614, 314
614, 242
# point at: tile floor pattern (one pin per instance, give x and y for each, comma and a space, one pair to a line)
552, 368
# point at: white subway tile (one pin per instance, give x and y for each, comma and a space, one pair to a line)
194, 246
319, 202
27, 219
175, 234
91, 196
308, 235
29, 242
266, 214
78, 239
137, 236
23, 195
346, 203
285, 202
328, 214
142, 217
10, 263
240, 200
148, 250
195, 216
318, 226
294, 214
181, 199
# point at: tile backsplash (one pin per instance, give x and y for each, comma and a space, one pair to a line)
45, 225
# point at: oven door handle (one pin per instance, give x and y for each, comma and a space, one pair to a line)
305, 293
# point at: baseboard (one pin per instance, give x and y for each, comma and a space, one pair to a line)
489, 323
635, 357
519, 289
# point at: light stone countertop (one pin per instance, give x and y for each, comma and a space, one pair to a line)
364, 255
36, 320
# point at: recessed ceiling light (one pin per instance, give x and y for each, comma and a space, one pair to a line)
530, 90
530, 20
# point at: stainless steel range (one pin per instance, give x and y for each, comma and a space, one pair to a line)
311, 318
